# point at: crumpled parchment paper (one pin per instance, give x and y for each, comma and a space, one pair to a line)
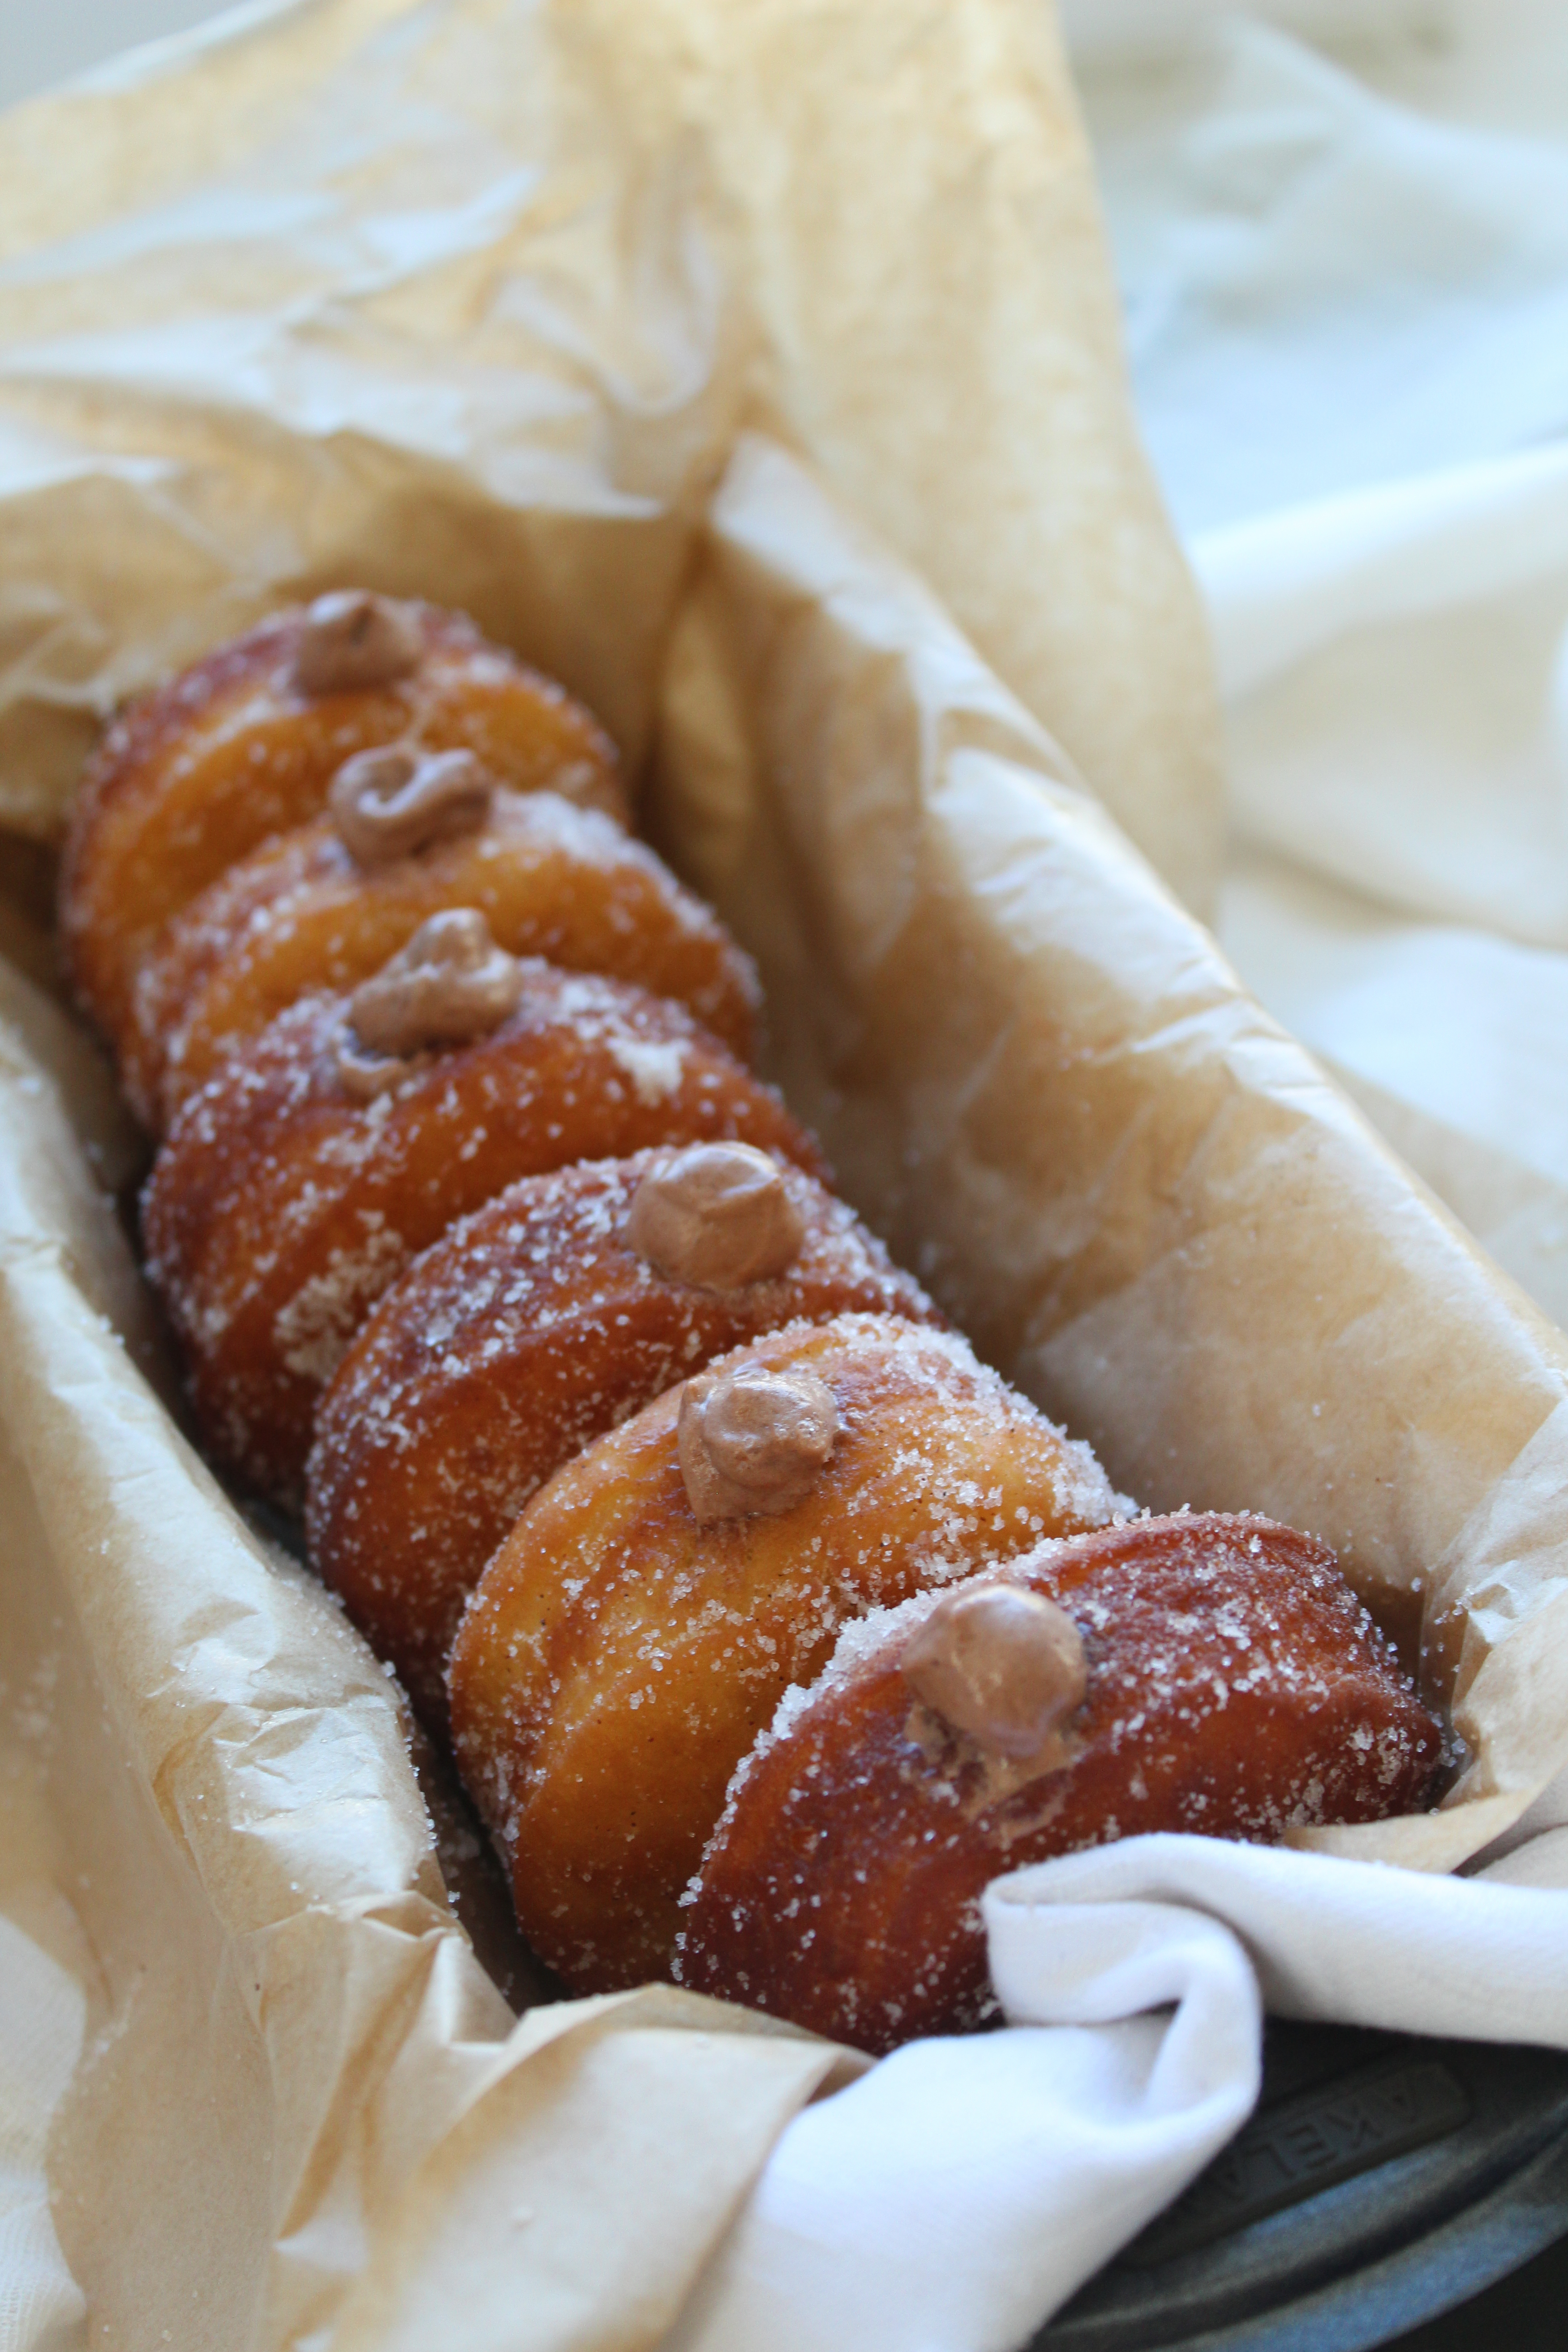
597, 322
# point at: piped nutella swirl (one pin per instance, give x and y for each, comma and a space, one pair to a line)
353, 641
753, 1441
391, 802
717, 1216
1002, 1665
448, 985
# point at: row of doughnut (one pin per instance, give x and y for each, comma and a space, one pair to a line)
766, 1624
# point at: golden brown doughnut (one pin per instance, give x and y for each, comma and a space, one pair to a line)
303, 912
530, 1328
1207, 1674
245, 742
621, 1652
811, 1501
299, 1182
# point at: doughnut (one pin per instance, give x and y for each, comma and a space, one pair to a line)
301, 1180
638, 1625
1210, 1674
245, 743
563, 1306
766, 1624
323, 907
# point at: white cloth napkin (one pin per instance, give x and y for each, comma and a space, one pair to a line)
962, 2191
1396, 665
1346, 283
1326, 286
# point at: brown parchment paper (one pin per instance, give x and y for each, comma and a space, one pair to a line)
290, 2018
473, 295
493, 303
1043, 1083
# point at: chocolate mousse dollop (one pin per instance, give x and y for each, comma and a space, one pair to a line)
754, 1440
717, 1216
353, 641
448, 985
1002, 1665
394, 801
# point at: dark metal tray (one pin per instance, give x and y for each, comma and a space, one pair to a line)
1383, 2179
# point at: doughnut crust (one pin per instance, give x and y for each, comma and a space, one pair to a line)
619, 1658
195, 776
530, 1328
301, 913
1235, 1687
281, 1206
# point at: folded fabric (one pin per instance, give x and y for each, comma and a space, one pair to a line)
1395, 667
1063, 2134
1142, 29
1346, 286
1326, 288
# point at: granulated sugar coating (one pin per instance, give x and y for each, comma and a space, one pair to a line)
720, 1456
530, 1328
281, 1207
1236, 1688
231, 751
618, 1658
300, 914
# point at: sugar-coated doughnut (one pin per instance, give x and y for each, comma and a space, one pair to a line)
304, 911
637, 1627
1211, 1674
299, 1182
546, 1318
766, 1624
245, 742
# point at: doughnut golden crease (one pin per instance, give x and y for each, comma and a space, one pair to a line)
638, 1627
305, 911
300, 1181
245, 743
1206, 1673
548, 1316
